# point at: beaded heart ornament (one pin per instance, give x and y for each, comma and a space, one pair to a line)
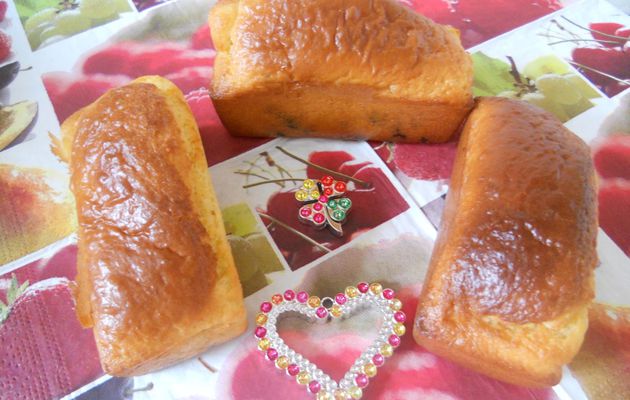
310, 375
324, 204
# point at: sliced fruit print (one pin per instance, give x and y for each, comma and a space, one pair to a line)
34, 215
612, 157
478, 21
598, 50
47, 21
603, 363
614, 211
371, 206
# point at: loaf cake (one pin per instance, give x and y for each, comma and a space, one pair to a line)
511, 274
156, 278
347, 69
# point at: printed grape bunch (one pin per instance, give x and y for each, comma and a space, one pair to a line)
324, 204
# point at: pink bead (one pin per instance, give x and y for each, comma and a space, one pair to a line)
323, 199
341, 299
302, 297
314, 386
265, 307
363, 287
305, 211
399, 316
289, 295
260, 332
321, 312
394, 340
293, 370
378, 359
318, 206
361, 380
388, 294
272, 354
319, 218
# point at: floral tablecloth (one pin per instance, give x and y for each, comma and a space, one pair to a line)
569, 57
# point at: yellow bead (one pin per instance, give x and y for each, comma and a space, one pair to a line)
387, 350
355, 392
351, 291
324, 396
308, 184
341, 394
301, 195
376, 288
315, 194
314, 301
303, 378
261, 319
399, 329
395, 305
369, 369
282, 362
264, 343
335, 311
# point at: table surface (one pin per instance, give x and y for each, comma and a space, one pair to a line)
69, 54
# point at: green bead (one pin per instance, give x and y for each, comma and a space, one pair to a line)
332, 204
345, 203
338, 215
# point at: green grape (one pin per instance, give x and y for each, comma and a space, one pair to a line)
96, 9
542, 101
548, 64
248, 265
70, 22
49, 32
582, 86
239, 220
34, 34
510, 94
121, 5
578, 108
267, 257
39, 18
51, 40
558, 89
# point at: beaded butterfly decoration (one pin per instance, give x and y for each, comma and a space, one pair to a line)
306, 373
324, 204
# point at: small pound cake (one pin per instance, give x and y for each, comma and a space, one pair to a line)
511, 274
342, 69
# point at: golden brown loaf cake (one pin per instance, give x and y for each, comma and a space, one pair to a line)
156, 279
511, 274
352, 69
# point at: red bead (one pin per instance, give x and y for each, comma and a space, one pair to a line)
319, 218
394, 340
289, 295
265, 307
341, 299
260, 332
327, 180
302, 297
328, 192
361, 380
340, 187
314, 386
400, 316
293, 370
378, 359
272, 354
321, 312
388, 294
363, 287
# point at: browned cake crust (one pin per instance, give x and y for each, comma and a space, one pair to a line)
156, 277
354, 69
511, 273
